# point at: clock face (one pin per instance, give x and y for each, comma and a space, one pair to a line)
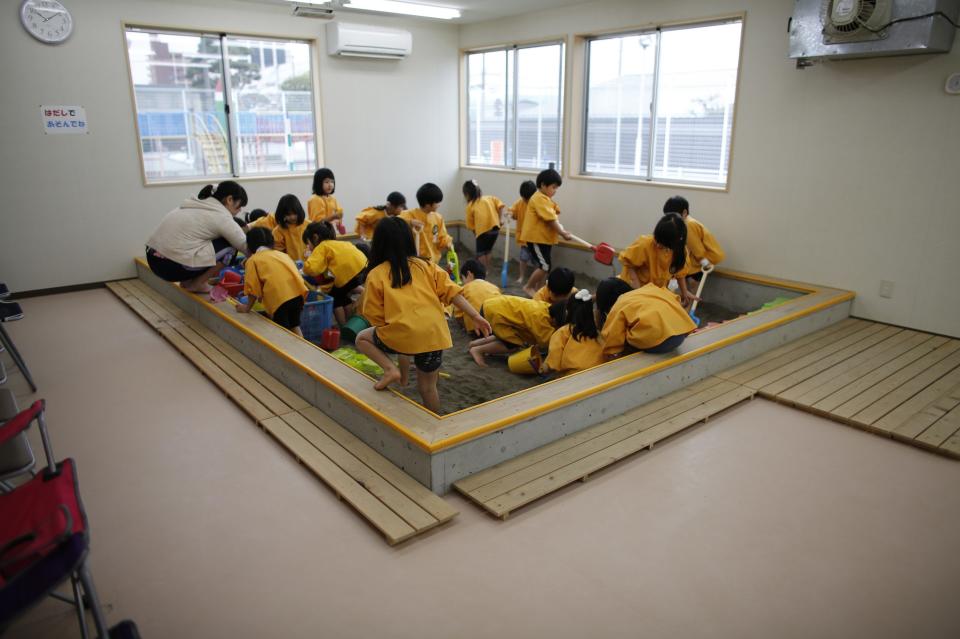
46, 20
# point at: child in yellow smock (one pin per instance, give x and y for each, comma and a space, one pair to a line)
335, 260
702, 247
429, 230
485, 214
649, 318
367, 218
658, 258
515, 322
322, 206
558, 288
291, 223
404, 300
575, 346
271, 276
476, 290
541, 227
518, 211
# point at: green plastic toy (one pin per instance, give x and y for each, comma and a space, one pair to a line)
454, 262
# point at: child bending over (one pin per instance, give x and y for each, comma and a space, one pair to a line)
427, 223
336, 261
649, 318
485, 214
476, 290
367, 218
271, 276
702, 246
575, 346
403, 301
658, 258
516, 322
559, 286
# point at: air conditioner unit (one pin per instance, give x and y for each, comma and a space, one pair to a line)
366, 41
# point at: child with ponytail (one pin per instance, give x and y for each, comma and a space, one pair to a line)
485, 214
575, 346
658, 258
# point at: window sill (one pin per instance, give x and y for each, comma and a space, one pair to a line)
670, 185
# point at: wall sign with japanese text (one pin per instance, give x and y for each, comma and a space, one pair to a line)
64, 119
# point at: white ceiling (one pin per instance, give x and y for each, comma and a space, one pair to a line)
471, 10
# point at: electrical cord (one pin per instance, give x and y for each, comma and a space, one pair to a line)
922, 17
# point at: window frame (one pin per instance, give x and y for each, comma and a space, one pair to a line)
233, 140
581, 73
511, 129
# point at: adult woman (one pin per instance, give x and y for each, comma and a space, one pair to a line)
195, 240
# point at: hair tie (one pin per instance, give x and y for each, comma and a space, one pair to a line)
583, 295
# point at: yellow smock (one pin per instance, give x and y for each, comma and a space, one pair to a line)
289, 239
546, 295
410, 319
517, 212
518, 320
476, 292
701, 244
323, 208
344, 260
644, 318
541, 210
483, 214
367, 221
433, 239
268, 222
567, 355
273, 277
651, 261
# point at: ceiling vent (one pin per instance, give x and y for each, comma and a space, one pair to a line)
313, 11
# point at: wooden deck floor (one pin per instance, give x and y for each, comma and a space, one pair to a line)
887, 380
393, 502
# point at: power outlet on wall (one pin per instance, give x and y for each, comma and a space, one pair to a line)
886, 289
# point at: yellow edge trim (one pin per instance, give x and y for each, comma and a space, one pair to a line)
422, 443
543, 408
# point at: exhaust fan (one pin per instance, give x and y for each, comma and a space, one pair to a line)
854, 20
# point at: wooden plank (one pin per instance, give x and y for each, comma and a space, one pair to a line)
522, 495
890, 383
791, 356
389, 495
138, 307
275, 405
276, 387
871, 415
855, 387
250, 404
832, 380
170, 311
923, 395
117, 290
791, 363
805, 373
601, 442
382, 518
951, 446
941, 430
436, 506
134, 287
473, 482
843, 327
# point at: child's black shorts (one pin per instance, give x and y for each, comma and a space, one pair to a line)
485, 241
341, 294
288, 315
426, 362
541, 255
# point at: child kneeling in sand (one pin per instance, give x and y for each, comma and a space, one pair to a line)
516, 322
404, 300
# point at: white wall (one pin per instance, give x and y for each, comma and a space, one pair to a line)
844, 174
74, 207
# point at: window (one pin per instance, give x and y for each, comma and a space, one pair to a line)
187, 129
660, 103
514, 106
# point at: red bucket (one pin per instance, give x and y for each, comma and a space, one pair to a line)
234, 290
604, 253
230, 277
330, 339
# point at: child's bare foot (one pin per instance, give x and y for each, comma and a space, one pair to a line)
390, 376
478, 357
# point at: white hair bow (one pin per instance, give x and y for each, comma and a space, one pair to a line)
583, 295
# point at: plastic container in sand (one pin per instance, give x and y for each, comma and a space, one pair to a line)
317, 316
525, 362
352, 327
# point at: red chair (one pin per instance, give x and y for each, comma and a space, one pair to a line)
45, 538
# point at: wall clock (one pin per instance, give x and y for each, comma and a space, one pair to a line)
46, 20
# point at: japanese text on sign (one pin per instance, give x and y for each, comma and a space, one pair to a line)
64, 119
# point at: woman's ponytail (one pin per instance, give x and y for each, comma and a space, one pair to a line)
205, 192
